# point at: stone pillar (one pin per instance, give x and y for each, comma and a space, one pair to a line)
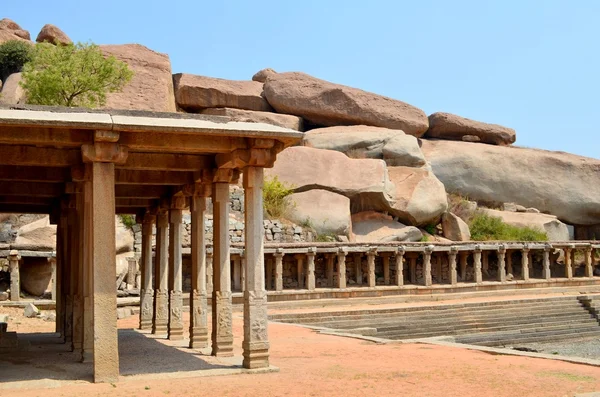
60, 298
371, 263
146, 291
501, 264
52, 262
358, 268
67, 298
256, 339
427, 265
386, 269
104, 293
509, 268
15, 278
300, 269
269, 275
438, 268
477, 264
222, 333
547, 273
243, 267
278, 255
589, 263
310, 261
464, 256
131, 272
452, 265
525, 262
175, 328
76, 273
209, 272
413, 269
237, 272
198, 293
87, 352
341, 256
400, 266
161, 276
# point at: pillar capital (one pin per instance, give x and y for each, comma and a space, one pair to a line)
278, 253
14, 255
454, 250
372, 251
162, 219
525, 248
502, 249
104, 152
547, 247
226, 175
401, 250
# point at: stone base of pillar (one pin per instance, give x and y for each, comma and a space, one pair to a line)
175, 329
87, 356
256, 355
161, 321
146, 309
222, 338
199, 330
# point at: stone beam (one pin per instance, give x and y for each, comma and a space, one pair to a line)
28, 200
55, 137
172, 162
33, 189
37, 156
151, 141
34, 174
136, 191
148, 177
135, 203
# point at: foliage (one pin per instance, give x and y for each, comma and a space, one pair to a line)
14, 54
325, 238
276, 202
128, 221
484, 228
431, 229
72, 75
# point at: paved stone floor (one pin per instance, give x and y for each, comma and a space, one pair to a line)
310, 364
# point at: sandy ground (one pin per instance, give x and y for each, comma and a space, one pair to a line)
313, 364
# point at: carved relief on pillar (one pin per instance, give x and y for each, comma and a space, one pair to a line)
546, 272
257, 307
176, 313
452, 265
199, 320
501, 263
224, 320
400, 266
162, 312
147, 309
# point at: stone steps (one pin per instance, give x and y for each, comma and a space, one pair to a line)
507, 339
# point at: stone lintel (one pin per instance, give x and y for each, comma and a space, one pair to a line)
104, 152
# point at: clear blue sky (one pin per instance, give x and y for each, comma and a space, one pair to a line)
529, 65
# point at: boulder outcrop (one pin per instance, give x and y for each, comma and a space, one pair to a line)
52, 34
263, 74
454, 228
328, 104
10, 27
558, 183
360, 141
12, 93
326, 212
453, 127
281, 120
555, 229
194, 93
39, 235
373, 227
151, 87
36, 276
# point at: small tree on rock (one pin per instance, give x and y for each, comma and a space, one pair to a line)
73, 75
13, 55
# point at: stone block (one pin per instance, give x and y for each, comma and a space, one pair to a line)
31, 311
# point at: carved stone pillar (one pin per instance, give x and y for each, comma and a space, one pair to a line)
463, 256
330, 259
525, 262
358, 268
427, 265
278, 255
175, 328
589, 263
341, 256
501, 264
400, 266
477, 264
547, 273
222, 334
386, 269
198, 293
452, 265
146, 291
371, 263
161, 292
15, 278
131, 272
310, 261
300, 269
256, 340
87, 351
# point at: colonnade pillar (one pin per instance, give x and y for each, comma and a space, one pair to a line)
452, 265
310, 261
547, 273
477, 264
161, 276
400, 266
278, 269
15, 278
77, 256
525, 262
568, 260
175, 328
427, 265
501, 264
146, 290
358, 269
371, 263
87, 351
256, 340
341, 260
198, 294
589, 263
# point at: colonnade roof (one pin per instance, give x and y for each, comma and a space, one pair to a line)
157, 156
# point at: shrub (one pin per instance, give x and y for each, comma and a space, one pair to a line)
431, 229
128, 221
484, 227
276, 202
72, 75
14, 54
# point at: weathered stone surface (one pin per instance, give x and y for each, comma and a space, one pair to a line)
364, 181
327, 213
360, 141
419, 197
555, 229
561, 184
52, 34
13, 28
199, 92
36, 276
282, 120
124, 238
37, 236
31, 310
6, 35
454, 228
12, 93
371, 226
450, 126
263, 75
151, 87
329, 104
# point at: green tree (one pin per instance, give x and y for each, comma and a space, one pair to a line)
74, 75
13, 55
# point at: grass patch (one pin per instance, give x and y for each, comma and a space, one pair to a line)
276, 201
566, 376
490, 228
